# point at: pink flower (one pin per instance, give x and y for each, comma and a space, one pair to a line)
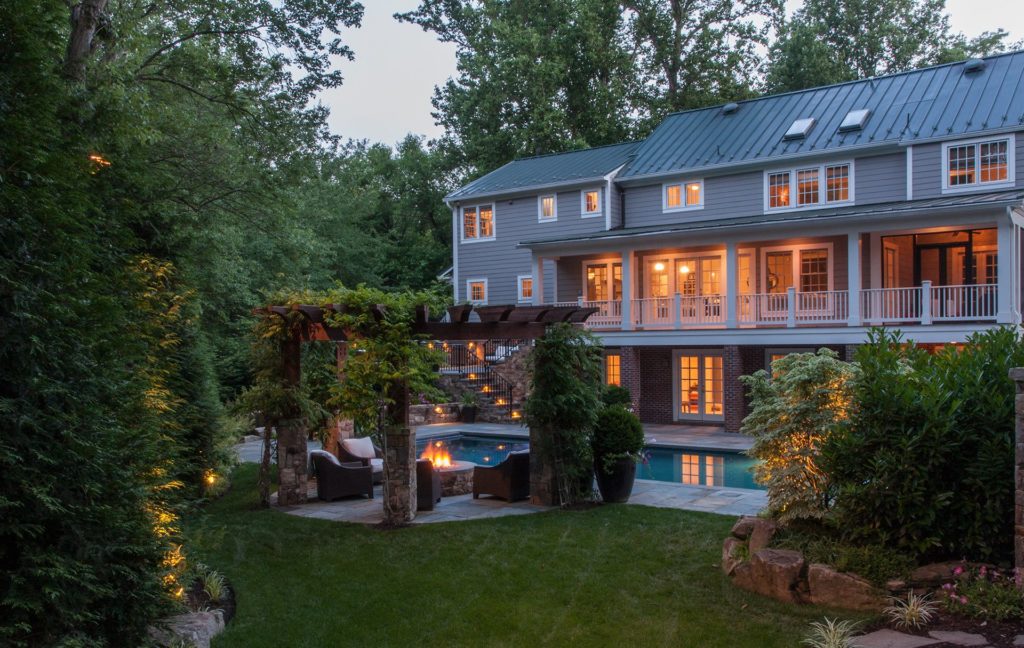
963, 600
957, 571
982, 571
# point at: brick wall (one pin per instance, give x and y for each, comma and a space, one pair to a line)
629, 374
656, 384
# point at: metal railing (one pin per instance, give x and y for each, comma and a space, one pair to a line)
475, 361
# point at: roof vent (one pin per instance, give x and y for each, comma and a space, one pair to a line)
730, 108
973, 66
854, 120
799, 129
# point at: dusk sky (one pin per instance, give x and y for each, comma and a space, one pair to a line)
388, 87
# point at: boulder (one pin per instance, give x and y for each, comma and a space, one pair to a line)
730, 557
772, 572
197, 628
743, 527
848, 591
761, 533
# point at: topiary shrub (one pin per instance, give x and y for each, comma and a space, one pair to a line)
618, 434
615, 395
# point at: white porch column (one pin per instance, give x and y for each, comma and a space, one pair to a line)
853, 277
732, 291
627, 290
538, 279
1006, 261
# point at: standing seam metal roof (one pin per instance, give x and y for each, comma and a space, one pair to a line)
552, 169
907, 107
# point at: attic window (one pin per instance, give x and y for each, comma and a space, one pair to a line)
855, 120
799, 129
730, 108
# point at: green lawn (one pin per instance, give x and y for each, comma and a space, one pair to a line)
609, 576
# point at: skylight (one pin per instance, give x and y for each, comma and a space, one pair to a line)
799, 129
854, 120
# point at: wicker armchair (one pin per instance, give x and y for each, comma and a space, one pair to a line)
363, 451
428, 485
335, 479
509, 480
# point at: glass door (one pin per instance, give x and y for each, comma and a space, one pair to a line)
778, 281
698, 284
656, 308
700, 386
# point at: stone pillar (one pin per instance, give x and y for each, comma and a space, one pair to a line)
733, 399
291, 462
399, 475
543, 484
1018, 473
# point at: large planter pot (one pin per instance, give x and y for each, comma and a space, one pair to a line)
616, 485
467, 413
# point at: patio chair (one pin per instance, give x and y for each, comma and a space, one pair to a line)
509, 480
365, 452
428, 485
335, 479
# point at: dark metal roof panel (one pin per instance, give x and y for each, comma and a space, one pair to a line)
932, 103
547, 170
993, 199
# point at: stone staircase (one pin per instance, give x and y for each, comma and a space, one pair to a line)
495, 370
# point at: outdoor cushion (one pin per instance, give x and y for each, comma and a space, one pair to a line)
377, 464
362, 447
326, 455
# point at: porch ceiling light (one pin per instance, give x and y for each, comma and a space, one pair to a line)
684, 269
659, 266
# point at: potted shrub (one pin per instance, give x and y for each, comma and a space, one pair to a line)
467, 412
617, 442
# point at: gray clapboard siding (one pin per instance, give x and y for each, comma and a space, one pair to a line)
928, 168
616, 207
880, 179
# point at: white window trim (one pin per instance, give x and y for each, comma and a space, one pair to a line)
672, 260
796, 249
682, 194
610, 286
822, 187
600, 203
677, 380
519, 289
540, 208
978, 185
469, 293
462, 223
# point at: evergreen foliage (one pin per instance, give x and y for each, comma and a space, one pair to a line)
617, 434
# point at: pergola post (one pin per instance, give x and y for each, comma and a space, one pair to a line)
1018, 473
543, 480
399, 459
292, 455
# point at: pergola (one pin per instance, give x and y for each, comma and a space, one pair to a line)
463, 322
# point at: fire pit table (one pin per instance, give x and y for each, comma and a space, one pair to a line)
456, 478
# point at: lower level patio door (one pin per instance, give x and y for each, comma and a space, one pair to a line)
698, 381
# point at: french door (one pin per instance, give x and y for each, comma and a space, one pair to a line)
699, 394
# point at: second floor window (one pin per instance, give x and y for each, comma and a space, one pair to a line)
809, 186
972, 164
590, 203
547, 208
683, 195
525, 283
478, 222
476, 291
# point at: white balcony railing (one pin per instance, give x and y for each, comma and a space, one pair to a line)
679, 311
608, 315
962, 303
792, 308
890, 305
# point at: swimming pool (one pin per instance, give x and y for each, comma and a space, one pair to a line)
679, 465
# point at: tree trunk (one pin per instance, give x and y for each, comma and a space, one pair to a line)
86, 20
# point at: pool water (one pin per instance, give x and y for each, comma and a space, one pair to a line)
678, 465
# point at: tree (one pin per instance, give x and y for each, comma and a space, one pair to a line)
832, 41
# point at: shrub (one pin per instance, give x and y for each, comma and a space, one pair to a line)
877, 564
792, 414
985, 593
911, 614
615, 395
618, 434
831, 633
924, 463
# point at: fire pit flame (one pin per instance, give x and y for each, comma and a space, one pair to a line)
438, 454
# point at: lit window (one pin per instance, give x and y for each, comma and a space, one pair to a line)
813, 270
837, 183
548, 207
525, 288
691, 469
476, 291
478, 222
806, 187
612, 369
978, 163
591, 201
686, 195
778, 190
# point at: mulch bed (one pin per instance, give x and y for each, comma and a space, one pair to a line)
198, 599
1000, 634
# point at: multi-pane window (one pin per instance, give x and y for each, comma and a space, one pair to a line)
700, 385
613, 369
478, 222
813, 270
547, 208
778, 190
597, 282
476, 291
837, 183
683, 195
806, 187
978, 163
820, 185
591, 202
525, 288
691, 469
